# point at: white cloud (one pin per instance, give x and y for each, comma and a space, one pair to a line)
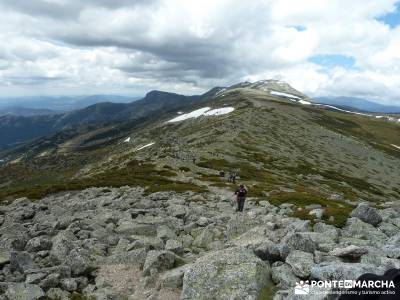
188, 46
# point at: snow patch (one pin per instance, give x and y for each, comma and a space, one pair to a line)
398, 147
205, 111
219, 111
304, 102
127, 140
145, 146
284, 95
194, 114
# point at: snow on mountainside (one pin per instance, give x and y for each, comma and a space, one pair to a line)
205, 111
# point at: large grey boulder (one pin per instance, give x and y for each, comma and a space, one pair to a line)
357, 229
282, 275
80, 262
24, 291
351, 252
158, 261
38, 244
132, 228
392, 247
367, 214
301, 263
173, 278
21, 261
233, 273
62, 245
340, 270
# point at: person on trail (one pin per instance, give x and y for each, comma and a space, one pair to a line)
234, 177
240, 197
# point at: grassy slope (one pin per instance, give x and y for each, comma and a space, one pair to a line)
285, 153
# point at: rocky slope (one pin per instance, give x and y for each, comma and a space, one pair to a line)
119, 243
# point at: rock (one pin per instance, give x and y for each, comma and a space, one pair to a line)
351, 252
21, 261
165, 233
317, 212
282, 275
392, 247
79, 261
148, 242
51, 281
233, 273
132, 228
38, 244
174, 246
56, 293
158, 260
204, 239
173, 278
340, 270
24, 291
5, 256
178, 211
388, 228
203, 221
301, 263
355, 228
366, 214
268, 250
298, 241
62, 245
329, 231
35, 278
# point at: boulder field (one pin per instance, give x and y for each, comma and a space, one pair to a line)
119, 243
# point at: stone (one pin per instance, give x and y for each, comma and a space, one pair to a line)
38, 244
79, 261
132, 228
203, 221
233, 273
62, 244
178, 211
301, 263
174, 246
35, 278
392, 247
57, 293
204, 239
355, 228
317, 212
329, 231
282, 275
340, 270
367, 214
298, 241
21, 261
5, 256
51, 281
268, 250
173, 278
158, 260
24, 291
165, 233
351, 252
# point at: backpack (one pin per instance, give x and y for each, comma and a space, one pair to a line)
242, 192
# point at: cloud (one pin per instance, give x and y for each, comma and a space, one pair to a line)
188, 46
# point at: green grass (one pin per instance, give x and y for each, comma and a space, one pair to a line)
136, 173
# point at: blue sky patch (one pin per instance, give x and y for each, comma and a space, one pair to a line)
331, 61
391, 19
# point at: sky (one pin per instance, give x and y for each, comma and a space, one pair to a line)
320, 47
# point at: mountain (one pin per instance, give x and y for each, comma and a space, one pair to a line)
61, 103
276, 139
359, 104
26, 112
145, 209
18, 129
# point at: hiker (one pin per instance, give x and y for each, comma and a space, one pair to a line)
234, 177
240, 197
221, 174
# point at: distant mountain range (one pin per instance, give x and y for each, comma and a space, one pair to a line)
60, 103
27, 112
15, 129
358, 104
